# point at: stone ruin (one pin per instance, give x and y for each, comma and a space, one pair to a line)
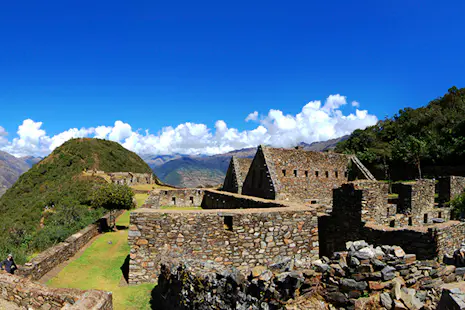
123, 178
293, 206
361, 277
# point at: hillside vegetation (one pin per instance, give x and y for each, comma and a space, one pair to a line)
402, 147
52, 200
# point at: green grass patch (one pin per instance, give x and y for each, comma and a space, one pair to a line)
141, 198
99, 267
179, 208
393, 196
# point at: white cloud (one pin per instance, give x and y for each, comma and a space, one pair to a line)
252, 116
315, 122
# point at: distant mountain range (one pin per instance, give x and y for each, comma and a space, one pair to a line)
12, 167
205, 171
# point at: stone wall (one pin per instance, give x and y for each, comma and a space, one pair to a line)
295, 174
50, 258
221, 200
448, 237
175, 197
234, 237
30, 295
375, 207
416, 200
235, 176
261, 180
123, 178
450, 187
360, 211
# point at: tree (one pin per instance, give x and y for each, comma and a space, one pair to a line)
113, 197
410, 150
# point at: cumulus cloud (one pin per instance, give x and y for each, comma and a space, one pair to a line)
252, 116
315, 122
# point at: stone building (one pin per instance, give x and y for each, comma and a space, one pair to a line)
295, 174
189, 197
262, 232
123, 178
235, 176
360, 211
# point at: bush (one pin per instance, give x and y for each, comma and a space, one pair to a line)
458, 207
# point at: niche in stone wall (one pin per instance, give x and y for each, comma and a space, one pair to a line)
410, 222
173, 199
439, 214
425, 218
336, 175
316, 173
295, 173
228, 222
306, 173
284, 172
191, 199
327, 174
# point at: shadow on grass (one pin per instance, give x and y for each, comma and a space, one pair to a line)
121, 227
165, 294
125, 269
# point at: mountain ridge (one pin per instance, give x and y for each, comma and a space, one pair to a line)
206, 171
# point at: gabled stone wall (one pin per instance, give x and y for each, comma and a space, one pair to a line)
295, 175
233, 237
260, 180
416, 201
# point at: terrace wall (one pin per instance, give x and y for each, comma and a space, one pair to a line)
52, 257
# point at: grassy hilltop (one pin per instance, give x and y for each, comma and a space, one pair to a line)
52, 200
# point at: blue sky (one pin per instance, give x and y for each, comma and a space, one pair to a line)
154, 65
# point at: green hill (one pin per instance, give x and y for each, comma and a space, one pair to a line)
424, 142
52, 200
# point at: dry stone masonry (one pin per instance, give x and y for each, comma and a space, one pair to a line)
52, 257
175, 198
235, 176
362, 277
295, 174
450, 187
233, 237
26, 294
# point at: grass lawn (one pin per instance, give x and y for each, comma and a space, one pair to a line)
140, 198
99, 267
